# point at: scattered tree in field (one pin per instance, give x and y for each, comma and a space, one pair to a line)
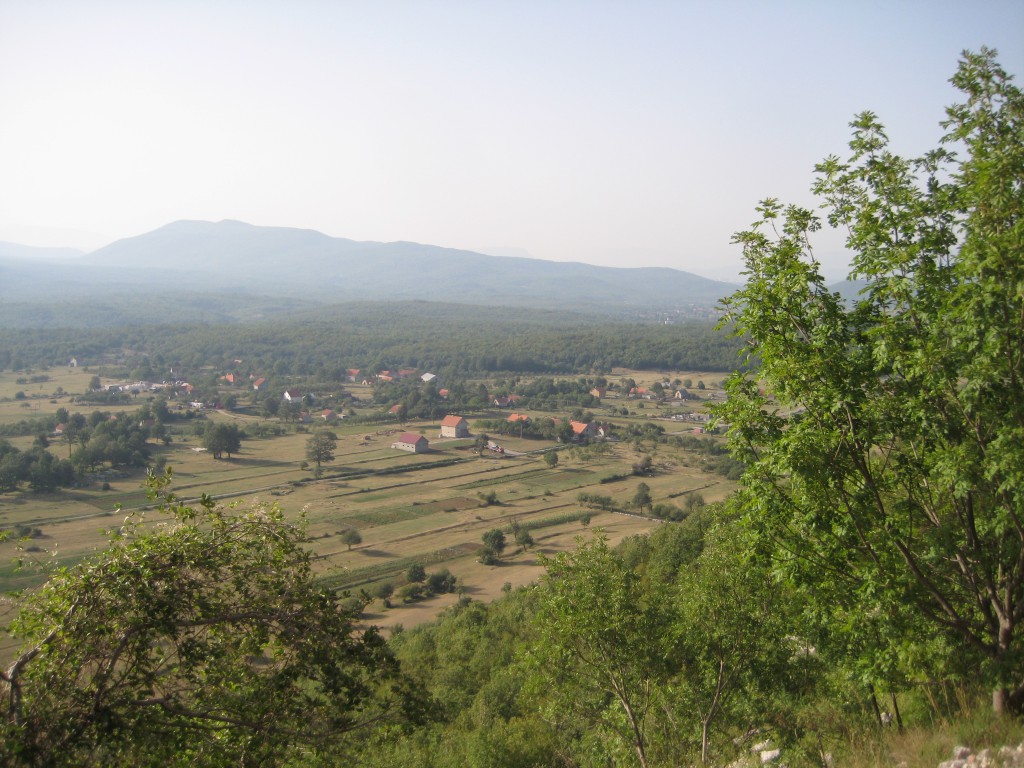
220, 439
551, 459
415, 573
642, 497
889, 466
494, 540
524, 539
320, 448
127, 656
351, 537
481, 443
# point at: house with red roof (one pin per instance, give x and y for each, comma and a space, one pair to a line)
259, 383
411, 442
581, 430
454, 426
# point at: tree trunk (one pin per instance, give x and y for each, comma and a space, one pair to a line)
896, 710
874, 705
704, 742
999, 697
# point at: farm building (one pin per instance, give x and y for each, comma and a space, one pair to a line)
454, 426
582, 430
411, 442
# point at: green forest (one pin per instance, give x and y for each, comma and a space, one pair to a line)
859, 601
443, 338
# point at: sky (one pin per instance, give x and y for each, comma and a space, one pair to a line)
624, 134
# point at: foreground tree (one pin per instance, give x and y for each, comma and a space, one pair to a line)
600, 656
202, 640
888, 460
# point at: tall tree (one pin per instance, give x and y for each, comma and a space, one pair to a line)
887, 459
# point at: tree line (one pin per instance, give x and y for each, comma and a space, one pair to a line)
440, 338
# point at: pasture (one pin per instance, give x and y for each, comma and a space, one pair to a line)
430, 509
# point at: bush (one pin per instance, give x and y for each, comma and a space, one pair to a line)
488, 556
410, 593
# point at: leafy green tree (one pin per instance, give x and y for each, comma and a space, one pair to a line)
524, 539
642, 497
351, 537
729, 651
551, 459
320, 448
212, 625
269, 407
416, 573
494, 540
220, 439
887, 458
599, 656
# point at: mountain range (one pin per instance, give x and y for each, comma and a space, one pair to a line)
239, 259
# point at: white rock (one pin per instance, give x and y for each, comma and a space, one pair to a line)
770, 755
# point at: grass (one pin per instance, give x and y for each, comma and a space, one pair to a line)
928, 745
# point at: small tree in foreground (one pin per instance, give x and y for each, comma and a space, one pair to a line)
211, 624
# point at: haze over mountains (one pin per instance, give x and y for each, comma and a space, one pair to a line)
232, 257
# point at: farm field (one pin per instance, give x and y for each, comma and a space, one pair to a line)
430, 509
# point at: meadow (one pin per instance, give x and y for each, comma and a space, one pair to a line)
430, 509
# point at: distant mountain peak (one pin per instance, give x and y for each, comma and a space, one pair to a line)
235, 256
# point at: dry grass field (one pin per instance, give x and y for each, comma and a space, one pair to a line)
425, 509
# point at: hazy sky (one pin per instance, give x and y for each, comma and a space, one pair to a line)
627, 133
